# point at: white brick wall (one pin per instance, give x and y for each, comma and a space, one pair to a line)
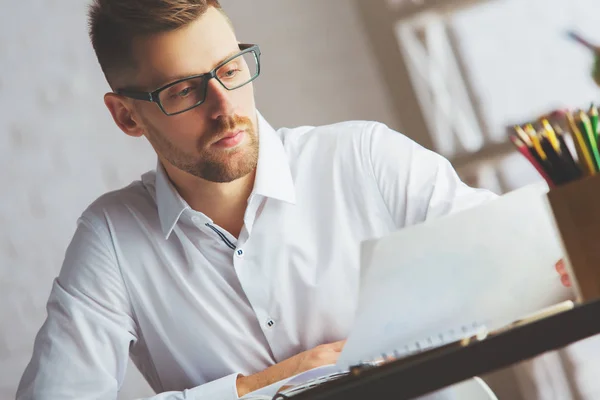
59, 149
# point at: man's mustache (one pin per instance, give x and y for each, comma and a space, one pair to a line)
224, 125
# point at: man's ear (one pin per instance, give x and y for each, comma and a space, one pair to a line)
122, 112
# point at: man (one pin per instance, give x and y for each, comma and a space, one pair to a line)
234, 264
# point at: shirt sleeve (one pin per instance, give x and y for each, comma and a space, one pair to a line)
417, 184
82, 349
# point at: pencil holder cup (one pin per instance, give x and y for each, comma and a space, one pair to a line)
576, 209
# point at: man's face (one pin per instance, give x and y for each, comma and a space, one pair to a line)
217, 140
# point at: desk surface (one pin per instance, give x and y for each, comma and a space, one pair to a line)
405, 381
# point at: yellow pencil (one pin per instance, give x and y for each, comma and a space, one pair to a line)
583, 153
551, 135
536, 141
523, 136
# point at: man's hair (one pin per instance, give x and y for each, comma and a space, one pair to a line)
115, 24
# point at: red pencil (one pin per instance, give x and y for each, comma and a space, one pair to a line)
523, 149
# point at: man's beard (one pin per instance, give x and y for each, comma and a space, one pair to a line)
214, 165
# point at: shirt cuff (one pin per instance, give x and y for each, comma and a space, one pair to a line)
220, 389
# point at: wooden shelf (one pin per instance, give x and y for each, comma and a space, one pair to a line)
409, 8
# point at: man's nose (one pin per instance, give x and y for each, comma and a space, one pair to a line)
218, 99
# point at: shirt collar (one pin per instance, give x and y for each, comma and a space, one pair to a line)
170, 204
273, 179
273, 174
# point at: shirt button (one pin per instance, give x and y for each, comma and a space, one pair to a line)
270, 323
239, 253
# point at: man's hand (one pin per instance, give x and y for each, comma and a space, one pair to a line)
562, 271
324, 354
319, 356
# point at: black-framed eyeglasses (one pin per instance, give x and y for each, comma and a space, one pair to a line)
187, 93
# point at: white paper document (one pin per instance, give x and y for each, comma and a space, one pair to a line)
429, 283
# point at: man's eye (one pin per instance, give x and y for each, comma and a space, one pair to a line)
231, 73
184, 92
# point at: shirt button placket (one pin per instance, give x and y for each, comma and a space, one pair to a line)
268, 323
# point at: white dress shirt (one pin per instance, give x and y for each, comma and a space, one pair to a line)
147, 276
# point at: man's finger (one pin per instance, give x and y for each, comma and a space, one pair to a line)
339, 345
560, 266
566, 281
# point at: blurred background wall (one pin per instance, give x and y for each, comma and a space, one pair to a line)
413, 65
